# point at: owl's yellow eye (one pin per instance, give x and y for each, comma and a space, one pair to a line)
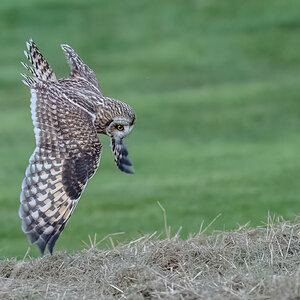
120, 127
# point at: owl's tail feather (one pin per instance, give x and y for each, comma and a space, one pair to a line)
40, 67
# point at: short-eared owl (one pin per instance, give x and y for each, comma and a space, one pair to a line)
67, 115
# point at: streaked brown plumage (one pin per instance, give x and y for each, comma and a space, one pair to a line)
67, 114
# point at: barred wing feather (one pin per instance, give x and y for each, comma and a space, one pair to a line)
67, 154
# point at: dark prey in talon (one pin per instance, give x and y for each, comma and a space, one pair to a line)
67, 114
121, 156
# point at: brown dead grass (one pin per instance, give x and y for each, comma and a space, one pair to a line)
247, 263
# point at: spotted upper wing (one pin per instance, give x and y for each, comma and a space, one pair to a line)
67, 154
79, 68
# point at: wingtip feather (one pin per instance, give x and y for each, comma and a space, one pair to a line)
42, 245
28, 46
25, 82
64, 46
26, 54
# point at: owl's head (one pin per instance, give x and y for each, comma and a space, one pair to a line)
118, 129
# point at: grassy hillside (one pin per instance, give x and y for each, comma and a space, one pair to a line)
215, 85
247, 263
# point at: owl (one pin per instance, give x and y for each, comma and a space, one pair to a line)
67, 114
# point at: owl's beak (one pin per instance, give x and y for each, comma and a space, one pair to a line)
121, 156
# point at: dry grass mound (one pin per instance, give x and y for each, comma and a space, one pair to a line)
248, 263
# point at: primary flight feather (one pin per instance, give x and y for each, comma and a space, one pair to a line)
67, 114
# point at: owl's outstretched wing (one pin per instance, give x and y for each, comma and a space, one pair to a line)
67, 154
79, 68
40, 67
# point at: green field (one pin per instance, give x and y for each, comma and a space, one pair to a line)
216, 88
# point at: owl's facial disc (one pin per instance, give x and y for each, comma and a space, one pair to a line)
119, 128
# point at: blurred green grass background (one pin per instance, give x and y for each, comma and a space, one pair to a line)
215, 85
